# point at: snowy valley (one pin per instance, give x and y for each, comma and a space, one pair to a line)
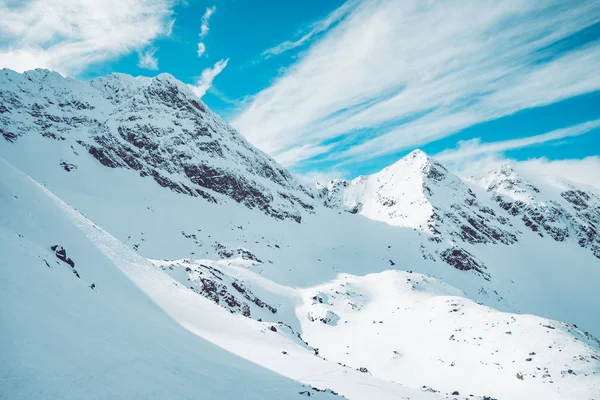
149, 251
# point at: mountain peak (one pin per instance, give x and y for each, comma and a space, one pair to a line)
419, 162
416, 160
168, 83
40, 73
418, 154
506, 170
167, 78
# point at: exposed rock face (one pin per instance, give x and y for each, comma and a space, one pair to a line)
213, 284
463, 260
61, 254
155, 126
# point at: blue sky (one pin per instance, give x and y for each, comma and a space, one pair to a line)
342, 88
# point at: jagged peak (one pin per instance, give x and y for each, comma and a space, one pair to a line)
417, 162
41, 73
506, 170
38, 75
165, 76
134, 83
507, 180
418, 154
121, 77
168, 80
416, 157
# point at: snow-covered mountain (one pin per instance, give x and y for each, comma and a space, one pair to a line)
419, 192
150, 252
156, 127
558, 209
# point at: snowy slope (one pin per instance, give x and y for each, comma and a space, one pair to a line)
61, 339
137, 333
250, 249
407, 327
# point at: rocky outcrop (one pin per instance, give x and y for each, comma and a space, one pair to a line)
218, 287
463, 260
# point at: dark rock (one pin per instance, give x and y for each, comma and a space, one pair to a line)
463, 260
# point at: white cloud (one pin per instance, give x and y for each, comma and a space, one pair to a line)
473, 157
585, 171
68, 36
316, 28
169, 29
288, 157
204, 27
147, 60
201, 49
206, 78
404, 73
474, 147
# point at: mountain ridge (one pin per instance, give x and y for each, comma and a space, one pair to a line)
175, 145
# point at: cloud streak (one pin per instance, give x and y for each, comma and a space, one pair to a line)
402, 74
68, 36
204, 28
315, 29
474, 147
583, 171
201, 49
473, 157
206, 78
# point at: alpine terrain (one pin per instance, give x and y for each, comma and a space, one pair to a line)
150, 252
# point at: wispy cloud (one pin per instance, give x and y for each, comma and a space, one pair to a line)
314, 29
201, 49
581, 171
475, 147
147, 60
206, 78
289, 157
204, 28
586, 170
473, 157
404, 73
68, 36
